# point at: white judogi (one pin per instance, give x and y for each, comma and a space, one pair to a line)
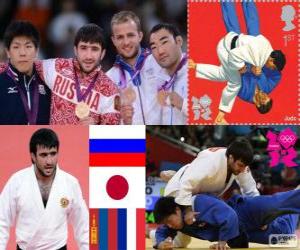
207, 174
37, 227
254, 50
172, 115
146, 93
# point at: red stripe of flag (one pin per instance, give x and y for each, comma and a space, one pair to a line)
140, 229
94, 229
112, 229
117, 159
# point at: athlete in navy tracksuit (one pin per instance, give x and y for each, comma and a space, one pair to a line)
24, 98
12, 111
238, 222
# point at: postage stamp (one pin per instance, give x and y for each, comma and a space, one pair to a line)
243, 62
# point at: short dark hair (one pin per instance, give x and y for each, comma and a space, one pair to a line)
265, 108
43, 137
21, 28
240, 149
167, 26
164, 207
90, 33
279, 59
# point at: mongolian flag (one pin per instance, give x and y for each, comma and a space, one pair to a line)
117, 187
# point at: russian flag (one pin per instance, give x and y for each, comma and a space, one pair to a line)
117, 187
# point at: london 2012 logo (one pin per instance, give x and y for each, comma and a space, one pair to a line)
281, 147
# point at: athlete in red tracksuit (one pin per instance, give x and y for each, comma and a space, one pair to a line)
81, 80
103, 100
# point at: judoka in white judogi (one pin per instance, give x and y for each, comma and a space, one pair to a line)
39, 227
207, 174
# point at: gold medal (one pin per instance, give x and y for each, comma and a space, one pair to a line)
82, 110
128, 96
161, 97
64, 202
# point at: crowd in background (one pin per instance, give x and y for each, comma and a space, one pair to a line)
269, 179
59, 20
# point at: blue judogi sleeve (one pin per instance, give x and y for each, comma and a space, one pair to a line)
163, 232
268, 80
217, 213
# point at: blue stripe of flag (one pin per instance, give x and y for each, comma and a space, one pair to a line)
103, 229
117, 145
122, 229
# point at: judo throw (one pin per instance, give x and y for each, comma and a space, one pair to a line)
201, 107
280, 147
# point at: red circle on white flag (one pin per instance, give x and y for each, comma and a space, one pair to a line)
117, 187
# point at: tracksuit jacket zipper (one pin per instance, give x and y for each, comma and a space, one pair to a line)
27, 85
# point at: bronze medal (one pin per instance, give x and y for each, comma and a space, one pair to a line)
161, 97
128, 96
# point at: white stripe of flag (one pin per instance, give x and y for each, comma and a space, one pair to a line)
118, 132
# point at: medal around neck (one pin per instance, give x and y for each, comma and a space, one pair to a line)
162, 97
128, 96
82, 110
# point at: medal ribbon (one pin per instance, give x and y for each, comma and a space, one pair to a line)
134, 73
80, 95
31, 113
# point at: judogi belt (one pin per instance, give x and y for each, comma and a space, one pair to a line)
233, 42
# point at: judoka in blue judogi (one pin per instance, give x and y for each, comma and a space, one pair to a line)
237, 222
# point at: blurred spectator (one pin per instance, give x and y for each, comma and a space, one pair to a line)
151, 168
63, 28
149, 18
289, 177
37, 12
3, 56
7, 11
